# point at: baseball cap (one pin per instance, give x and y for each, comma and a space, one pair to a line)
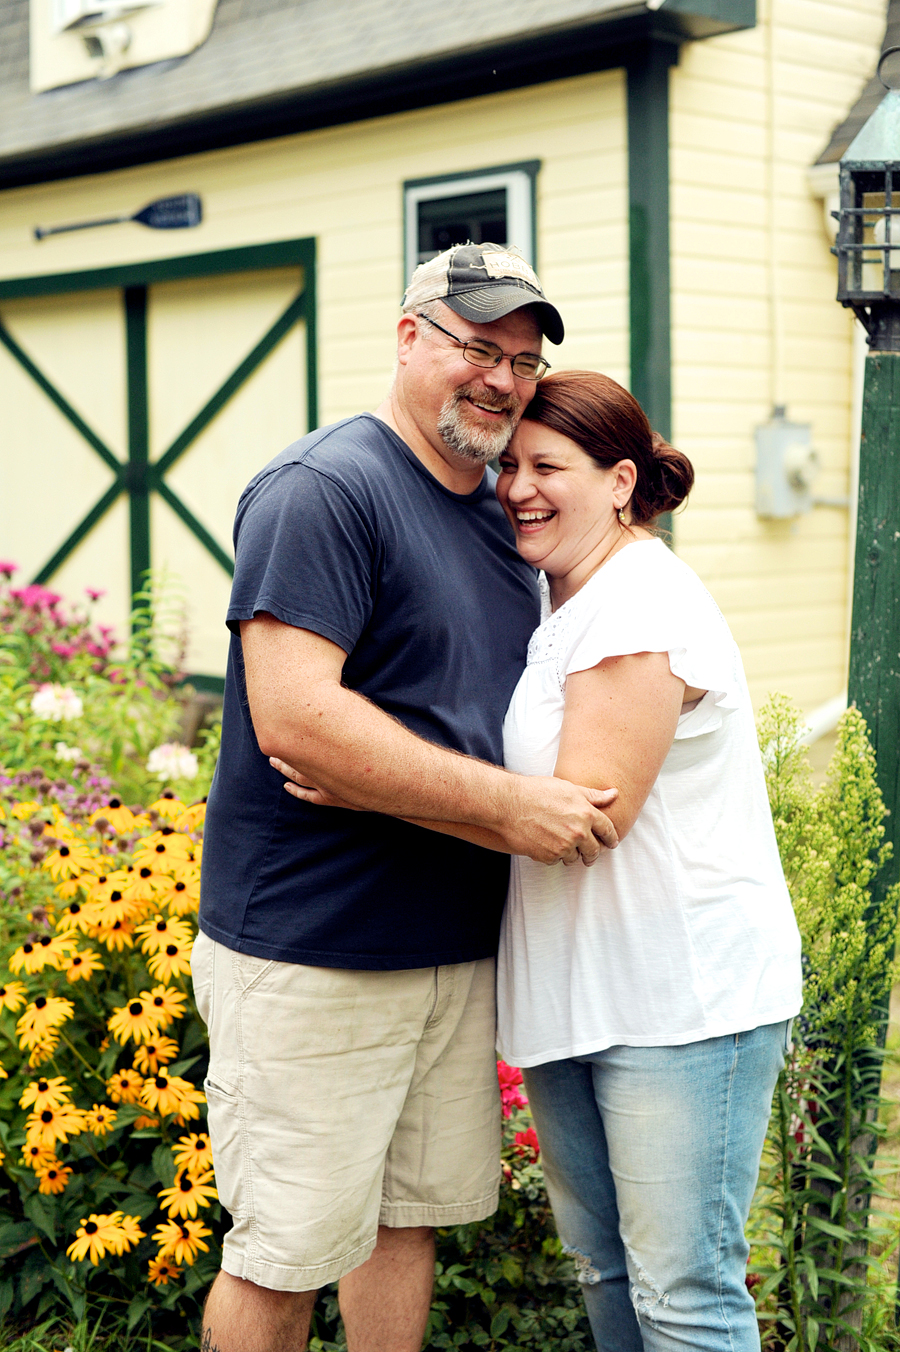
483, 282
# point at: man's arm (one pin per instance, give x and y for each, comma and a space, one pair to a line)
348, 747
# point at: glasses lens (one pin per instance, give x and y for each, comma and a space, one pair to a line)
528, 367
483, 354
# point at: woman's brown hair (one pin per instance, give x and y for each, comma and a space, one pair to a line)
609, 425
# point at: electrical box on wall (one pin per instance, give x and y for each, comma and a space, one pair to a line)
787, 466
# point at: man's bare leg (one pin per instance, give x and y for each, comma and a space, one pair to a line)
242, 1317
385, 1302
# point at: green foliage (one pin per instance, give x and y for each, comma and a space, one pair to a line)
820, 1233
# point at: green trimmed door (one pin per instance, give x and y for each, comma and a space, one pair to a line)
138, 402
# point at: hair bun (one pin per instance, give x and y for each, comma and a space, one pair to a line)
674, 477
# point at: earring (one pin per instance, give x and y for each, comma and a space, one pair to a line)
622, 515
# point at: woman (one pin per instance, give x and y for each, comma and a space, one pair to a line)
649, 998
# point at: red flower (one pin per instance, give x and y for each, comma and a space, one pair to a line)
527, 1143
510, 1078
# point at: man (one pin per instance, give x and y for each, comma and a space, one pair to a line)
380, 618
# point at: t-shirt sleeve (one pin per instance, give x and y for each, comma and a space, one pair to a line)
305, 553
648, 605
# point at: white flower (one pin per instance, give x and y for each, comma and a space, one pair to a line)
59, 703
67, 753
172, 761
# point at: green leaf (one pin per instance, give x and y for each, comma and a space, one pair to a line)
500, 1322
15, 1236
7, 1294
164, 1165
137, 1309
141, 1204
42, 1213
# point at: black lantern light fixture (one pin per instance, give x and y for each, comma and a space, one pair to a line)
868, 240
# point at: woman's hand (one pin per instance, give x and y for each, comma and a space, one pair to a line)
308, 793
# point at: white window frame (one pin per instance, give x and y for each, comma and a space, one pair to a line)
519, 180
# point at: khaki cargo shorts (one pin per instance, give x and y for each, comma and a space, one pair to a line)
340, 1100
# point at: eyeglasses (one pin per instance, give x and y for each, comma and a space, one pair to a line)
478, 352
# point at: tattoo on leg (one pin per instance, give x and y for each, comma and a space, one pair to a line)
208, 1345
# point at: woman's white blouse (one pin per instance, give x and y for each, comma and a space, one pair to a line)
686, 930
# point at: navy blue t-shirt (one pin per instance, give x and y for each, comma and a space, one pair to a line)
346, 533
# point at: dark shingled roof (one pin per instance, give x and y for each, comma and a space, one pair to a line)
322, 60
868, 100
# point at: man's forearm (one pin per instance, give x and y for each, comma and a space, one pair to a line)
348, 746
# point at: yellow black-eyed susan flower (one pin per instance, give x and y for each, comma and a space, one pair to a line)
46, 1093
96, 1236
165, 1094
22, 811
117, 934
53, 1124
53, 1178
191, 818
179, 894
136, 1020
120, 818
12, 995
100, 1120
83, 963
187, 1194
149, 1056
169, 808
44, 1049
163, 930
44, 1014
35, 955
193, 1153
75, 916
166, 1002
181, 1240
130, 1232
160, 1271
171, 961
69, 860
36, 1157
125, 1086
162, 848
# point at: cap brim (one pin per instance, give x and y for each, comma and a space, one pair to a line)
482, 305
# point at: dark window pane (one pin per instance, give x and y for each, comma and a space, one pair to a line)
445, 221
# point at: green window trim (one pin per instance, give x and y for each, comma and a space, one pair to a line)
139, 477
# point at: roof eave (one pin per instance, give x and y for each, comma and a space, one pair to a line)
528, 60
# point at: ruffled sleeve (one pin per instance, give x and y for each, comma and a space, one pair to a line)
647, 600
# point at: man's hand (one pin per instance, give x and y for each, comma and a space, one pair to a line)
549, 820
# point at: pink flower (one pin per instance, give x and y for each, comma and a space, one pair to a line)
7, 568
510, 1078
35, 597
527, 1143
93, 593
64, 649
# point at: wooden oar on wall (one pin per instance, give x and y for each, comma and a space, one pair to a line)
166, 213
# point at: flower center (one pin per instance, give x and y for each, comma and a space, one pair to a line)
161, 1082
185, 1185
115, 896
64, 851
146, 872
171, 950
91, 1228
115, 802
40, 1002
135, 1008
44, 940
47, 1115
179, 887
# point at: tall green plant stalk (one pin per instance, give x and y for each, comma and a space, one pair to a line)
818, 1204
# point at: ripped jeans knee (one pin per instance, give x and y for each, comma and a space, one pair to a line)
585, 1272
647, 1296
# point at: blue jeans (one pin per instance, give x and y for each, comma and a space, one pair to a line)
651, 1157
